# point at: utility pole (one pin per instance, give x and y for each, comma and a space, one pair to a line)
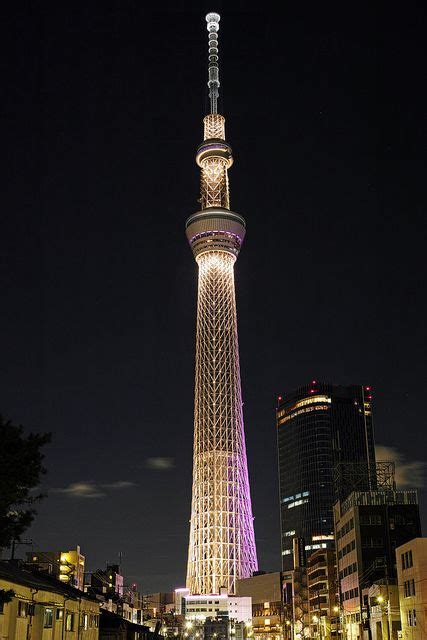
15, 543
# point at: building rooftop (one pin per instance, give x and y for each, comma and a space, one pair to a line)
17, 572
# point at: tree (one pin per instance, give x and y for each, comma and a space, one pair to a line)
20, 471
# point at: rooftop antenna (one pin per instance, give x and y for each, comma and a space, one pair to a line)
213, 82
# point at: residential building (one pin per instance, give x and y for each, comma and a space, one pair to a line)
323, 594
114, 627
157, 604
411, 560
217, 628
41, 607
320, 429
383, 615
369, 526
66, 566
107, 582
265, 590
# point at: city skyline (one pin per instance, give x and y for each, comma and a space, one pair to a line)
98, 336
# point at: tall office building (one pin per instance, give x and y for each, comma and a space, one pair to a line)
222, 544
324, 434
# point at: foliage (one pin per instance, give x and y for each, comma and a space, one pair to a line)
20, 471
6, 595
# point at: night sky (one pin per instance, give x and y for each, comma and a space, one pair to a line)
103, 105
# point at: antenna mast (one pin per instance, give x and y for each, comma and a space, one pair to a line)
213, 82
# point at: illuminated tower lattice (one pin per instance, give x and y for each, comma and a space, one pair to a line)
222, 543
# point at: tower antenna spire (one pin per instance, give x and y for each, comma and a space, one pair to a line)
213, 74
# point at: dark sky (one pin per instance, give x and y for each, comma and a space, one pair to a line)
103, 105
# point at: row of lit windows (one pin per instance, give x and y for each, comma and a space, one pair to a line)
345, 529
409, 588
352, 568
320, 407
302, 403
348, 547
27, 609
296, 496
322, 545
288, 534
297, 503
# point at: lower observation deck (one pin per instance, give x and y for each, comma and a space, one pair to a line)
215, 229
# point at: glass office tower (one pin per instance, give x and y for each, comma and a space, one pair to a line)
324, 432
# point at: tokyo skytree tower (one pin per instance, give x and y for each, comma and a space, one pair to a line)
222, 542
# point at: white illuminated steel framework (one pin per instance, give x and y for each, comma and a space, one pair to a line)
222, 544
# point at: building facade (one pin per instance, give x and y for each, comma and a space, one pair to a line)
67, 566
265, 589
369, 526
323, 598
222, 543
43, 608
320, 429
200, 607
106, 582
411, 561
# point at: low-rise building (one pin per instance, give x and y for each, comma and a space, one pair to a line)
38, 606
384, 614
199, 607
265, 589
411, 559
67, 566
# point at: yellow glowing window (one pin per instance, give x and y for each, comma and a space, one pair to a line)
317, 407
311, 400
267, 622
266, 605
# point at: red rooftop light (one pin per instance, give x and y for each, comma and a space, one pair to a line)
280, 398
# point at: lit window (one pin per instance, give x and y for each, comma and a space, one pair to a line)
69, 622
267, 622
297, 503
290, 533
319, 407
266, 605
85, 621
48, 618
286, 552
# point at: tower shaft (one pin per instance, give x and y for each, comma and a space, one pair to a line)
222, 546
222, 542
